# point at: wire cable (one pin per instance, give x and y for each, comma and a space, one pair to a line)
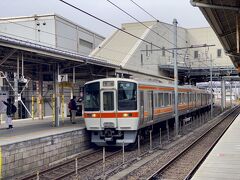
144, 10
109, 24
89, 14
143, 23
154, 18
139, 21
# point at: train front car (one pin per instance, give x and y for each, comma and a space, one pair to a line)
111, 111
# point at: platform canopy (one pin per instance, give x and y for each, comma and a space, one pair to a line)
224, 18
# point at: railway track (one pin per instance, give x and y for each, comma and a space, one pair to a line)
90, 165
68, 168
181, 165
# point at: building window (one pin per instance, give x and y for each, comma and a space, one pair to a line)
147, 51
219, 53
163, 51
86, 43
195, 54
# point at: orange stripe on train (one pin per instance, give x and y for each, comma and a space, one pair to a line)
143, 87
112, 115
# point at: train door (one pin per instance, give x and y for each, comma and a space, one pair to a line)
142, 109
151, 109
108, 109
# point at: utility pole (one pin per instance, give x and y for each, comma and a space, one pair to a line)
175, 77
211, 87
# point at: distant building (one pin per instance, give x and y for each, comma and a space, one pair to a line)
137, 56
51, 30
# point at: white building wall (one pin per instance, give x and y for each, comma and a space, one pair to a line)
66, 35
86, 41
35, 29
207, 36
51, 30
151, 60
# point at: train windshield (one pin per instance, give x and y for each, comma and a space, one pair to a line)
92, 97
127, 96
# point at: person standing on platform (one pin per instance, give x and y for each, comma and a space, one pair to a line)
11, 109
73, 109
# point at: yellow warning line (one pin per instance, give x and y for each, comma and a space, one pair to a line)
0, 162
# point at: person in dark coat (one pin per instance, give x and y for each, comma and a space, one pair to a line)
9, 113
73, 109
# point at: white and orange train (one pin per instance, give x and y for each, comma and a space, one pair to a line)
115, 109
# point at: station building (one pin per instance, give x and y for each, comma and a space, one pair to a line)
156, 59
51, 30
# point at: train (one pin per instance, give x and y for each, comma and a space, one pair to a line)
116, 109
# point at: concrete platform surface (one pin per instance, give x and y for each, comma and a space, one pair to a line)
26, 129
224, 160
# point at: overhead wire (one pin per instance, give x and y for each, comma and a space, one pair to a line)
103, 21
139, 21
158, 21
52, 45
145, 25
89, 14
155, 18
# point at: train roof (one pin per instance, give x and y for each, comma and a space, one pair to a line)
112, 79
150, 83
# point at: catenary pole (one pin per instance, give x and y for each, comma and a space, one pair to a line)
175, 76
211, 87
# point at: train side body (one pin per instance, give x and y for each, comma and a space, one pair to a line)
115, 109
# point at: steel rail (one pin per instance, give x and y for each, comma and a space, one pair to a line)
33, 176
63, 165
164, 167
86, 166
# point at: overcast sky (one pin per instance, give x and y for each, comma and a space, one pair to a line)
164, 10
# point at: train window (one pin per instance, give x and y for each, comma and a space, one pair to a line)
92, 97
170, 99
155, 100
186, 98
127, 95
179, 98
108, 101
166, 99
173, 98
161, 100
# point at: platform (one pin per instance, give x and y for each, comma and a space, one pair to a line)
26, 129
224, 160
34, 144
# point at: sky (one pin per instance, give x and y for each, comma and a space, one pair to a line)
164, 10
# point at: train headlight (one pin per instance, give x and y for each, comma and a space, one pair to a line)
127, 114
94, 115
